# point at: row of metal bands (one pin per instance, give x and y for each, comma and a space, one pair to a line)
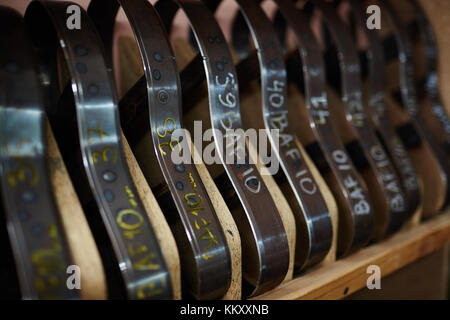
191, 77
134, 242
359, 222
205, 256
397, 199
394, 146
314, 240
260, 226
379, 162
353, 199
37, 237
378, 110
409, 94
314, 244
335, 153
357, 113
246, 76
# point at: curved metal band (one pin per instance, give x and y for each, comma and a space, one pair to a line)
351, 187
241, 40
37, 236
431, 61
409, 95
134, 242
376, 99
357, 116
316, 243
261, 228
205, 256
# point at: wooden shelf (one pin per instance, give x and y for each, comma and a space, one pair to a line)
345, 276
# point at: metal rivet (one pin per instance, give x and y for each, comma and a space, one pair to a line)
156, 74
109, 176
37, 229
163, 96
179, 185
109, 195
24, 215
220, 66
81, 67
28, 196
93, 90
157, 56
274, 64
180, 168
81, 50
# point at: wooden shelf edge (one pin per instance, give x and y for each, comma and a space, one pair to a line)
345, 276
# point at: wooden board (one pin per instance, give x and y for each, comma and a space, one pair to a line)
409, 282
230, 229
79, 236
160, 226
350, 274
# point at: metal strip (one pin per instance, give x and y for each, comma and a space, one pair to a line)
313, 246
408, 91
134, 242
37, 237
265, 246
205, 256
